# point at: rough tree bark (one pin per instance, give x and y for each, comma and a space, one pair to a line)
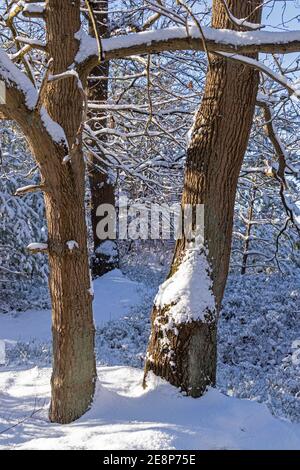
101, 187
214, 157
74, 371
52, 128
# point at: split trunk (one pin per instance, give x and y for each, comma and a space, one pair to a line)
214, 157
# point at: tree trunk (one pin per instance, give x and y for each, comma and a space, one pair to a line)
101, 187
248, 228
185, 353
52, 127
74, 371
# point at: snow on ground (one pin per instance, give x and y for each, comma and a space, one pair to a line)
25, 326
258, 331
259, 325
124, 416
115, 294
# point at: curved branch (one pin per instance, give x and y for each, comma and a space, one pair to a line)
173, 39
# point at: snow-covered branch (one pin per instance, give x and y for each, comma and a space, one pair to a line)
241, 22
20, 92
177, 38
277, 77
22, 98
34, 10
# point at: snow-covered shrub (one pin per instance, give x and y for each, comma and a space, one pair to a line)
22, 276
257, 333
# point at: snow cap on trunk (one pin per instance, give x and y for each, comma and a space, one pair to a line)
188, 292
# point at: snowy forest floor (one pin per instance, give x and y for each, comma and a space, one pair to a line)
258, 335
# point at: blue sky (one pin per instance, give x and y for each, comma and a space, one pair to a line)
290, 8
278, 11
